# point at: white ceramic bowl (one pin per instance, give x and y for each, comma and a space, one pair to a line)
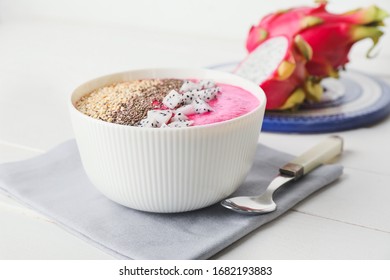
167, 170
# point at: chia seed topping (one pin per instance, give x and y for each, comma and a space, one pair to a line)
127, 103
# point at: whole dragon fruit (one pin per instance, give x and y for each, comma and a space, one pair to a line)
318, 43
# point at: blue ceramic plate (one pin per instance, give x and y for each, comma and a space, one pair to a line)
352, 101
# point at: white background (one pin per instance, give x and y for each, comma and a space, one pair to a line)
217, 19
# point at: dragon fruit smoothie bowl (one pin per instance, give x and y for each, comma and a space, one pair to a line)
176, 163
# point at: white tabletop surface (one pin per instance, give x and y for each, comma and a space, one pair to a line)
43, 59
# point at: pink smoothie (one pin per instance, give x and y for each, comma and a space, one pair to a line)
231, 102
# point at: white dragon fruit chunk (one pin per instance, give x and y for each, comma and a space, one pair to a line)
143, 122
210, 96
206, 94
188, 97
213, 90
211, 93
207, 83
179, 117
162, 116
201, 106
149, 123
199, 94
186, 109
164, 126
173, 99
188, 86
180, 124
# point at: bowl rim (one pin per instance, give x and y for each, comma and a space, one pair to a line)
254, 89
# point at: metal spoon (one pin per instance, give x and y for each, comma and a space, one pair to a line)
295, 169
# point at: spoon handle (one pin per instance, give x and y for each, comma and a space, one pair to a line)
319, 154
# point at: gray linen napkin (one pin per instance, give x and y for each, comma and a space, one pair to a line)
55, 185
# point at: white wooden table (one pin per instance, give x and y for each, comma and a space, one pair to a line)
42, 60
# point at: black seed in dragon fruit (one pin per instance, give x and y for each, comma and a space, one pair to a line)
211, 93
214, 90
179, 117
162, 116
200, 94
143, 122
180, 123
207, 83
201, 106
173, 99
188, 86
188, 97
207, 94
186, 109
149, 123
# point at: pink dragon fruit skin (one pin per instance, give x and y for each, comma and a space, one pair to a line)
280, 23
327, 60
292, 21
325, 40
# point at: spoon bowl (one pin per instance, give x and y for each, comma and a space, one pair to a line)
261, 204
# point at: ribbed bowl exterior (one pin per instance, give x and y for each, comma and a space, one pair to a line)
167, 170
